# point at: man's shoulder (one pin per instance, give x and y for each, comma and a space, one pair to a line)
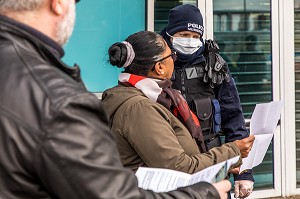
55, 83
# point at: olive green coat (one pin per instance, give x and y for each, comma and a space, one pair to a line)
148, 134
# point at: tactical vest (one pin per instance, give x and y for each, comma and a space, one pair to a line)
199, 96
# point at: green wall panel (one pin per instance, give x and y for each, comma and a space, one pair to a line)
99, 24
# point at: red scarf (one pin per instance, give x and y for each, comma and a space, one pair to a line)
160, 91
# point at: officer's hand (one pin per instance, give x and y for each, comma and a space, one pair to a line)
223, 187
245, 145
243, 188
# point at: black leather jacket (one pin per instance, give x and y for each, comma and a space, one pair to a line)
54, 139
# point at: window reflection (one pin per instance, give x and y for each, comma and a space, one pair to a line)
245, 35
242, 28
162, 8
238, 5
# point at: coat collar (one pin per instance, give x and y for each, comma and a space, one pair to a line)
57, 49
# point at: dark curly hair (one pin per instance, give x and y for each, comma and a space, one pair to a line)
148, 47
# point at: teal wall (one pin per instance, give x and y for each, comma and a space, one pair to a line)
99, 24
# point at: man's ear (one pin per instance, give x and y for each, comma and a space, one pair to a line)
57, 6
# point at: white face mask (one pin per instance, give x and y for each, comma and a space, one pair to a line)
186, 45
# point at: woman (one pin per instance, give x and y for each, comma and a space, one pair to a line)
139, 108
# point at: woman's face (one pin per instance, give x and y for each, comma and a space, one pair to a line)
164, 66
167, 61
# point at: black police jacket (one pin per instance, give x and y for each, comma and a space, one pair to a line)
54, 139
189, 80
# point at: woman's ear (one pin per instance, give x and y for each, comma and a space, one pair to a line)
160, 68
158, 72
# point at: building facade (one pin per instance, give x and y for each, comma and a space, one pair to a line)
259, 39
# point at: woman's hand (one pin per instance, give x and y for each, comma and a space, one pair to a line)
235, 170
245, 145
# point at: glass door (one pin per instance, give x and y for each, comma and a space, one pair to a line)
242, 29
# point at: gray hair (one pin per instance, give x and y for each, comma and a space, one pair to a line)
20, 5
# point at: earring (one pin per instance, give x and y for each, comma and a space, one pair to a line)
162, 72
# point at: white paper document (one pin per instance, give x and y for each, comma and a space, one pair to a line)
262, 124
161, 180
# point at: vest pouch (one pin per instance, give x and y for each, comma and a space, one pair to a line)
216, 116
203, 109
213, 142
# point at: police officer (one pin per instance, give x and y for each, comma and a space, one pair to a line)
203, 78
